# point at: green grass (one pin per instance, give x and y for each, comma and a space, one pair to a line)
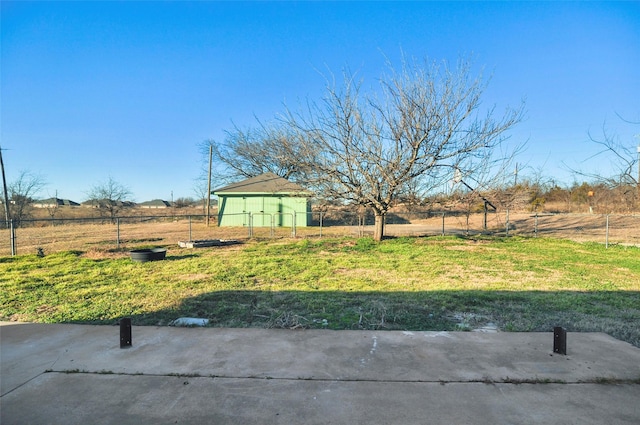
406, 283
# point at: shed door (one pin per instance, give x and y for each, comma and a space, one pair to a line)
255, 205
273, 206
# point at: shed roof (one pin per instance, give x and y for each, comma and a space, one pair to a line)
264, 183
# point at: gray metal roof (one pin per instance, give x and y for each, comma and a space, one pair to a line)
58, 202
264, 183
155, 203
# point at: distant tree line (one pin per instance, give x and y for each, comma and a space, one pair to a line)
595, 197
108, 198
529, 195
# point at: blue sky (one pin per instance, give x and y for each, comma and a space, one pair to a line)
92, 90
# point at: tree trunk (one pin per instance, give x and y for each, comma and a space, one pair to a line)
467, 231
378, 232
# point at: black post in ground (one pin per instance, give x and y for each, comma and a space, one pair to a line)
560, 340
125, 332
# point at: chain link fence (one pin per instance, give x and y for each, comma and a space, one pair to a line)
124, 233
100, 234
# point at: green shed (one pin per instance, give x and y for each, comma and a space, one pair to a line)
267, 198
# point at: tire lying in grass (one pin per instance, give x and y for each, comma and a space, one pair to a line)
144, 255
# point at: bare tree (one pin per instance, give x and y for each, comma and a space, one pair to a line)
109, 197
184, 202
201, 191
246, 153
424, 122
22, 192
266, 148
624, 157
52, 209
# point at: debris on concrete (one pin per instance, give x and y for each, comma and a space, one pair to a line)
489, 327
190, 321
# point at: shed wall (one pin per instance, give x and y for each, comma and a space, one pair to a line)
233, 210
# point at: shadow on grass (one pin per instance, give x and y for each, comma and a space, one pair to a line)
615, 313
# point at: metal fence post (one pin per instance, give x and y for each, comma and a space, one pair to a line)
118, 233
272, 225
293, 225
606, 243
190, 228
12, 237
535, 227
507, 225
443, 224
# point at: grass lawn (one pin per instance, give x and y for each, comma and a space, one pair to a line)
430, 283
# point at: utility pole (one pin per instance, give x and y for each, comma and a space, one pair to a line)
638, 181
6, 195
209, 181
